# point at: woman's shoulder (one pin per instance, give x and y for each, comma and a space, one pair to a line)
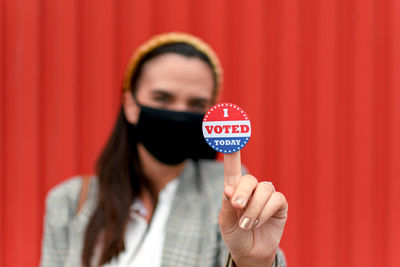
69, 189
62, 199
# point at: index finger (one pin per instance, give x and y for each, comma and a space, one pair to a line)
232, 169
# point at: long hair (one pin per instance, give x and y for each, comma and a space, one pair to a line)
120, 176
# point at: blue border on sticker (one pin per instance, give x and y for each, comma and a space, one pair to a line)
227, 144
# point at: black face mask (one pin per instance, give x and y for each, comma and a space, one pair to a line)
173, 136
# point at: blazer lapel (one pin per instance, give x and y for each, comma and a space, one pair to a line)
183, 230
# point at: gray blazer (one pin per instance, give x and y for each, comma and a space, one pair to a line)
192, 238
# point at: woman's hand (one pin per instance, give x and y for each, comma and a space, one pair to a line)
252, 217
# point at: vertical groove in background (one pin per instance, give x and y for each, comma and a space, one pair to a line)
153, 22
7, 127
116, 56
110, 96
209, 22
251, 77
190, 16
289, 123
2, 130
191, 13
393, 232
5, 240
59, 90
363, 138
36, 187
78, 84
325, 138
233, 66
23, 169
118, 44
136, 26
227, 63
83, 127
86, 18
97, 88
268, 100
306, 133
381, 126
344, 130
40, 138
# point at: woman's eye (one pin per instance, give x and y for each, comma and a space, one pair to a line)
199, 106
162, 99
199, 103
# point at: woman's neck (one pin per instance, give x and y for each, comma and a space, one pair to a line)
157, 173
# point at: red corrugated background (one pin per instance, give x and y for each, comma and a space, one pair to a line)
320, 81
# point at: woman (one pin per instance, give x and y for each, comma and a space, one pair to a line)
157, 197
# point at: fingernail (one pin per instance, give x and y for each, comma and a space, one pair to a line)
256, 222
239, 201
245, 223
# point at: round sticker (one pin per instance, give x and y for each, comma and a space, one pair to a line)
226, 128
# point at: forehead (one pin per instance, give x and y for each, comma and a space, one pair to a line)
177, 74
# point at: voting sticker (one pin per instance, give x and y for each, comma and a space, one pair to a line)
226, 128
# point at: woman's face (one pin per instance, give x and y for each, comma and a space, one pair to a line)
174, 82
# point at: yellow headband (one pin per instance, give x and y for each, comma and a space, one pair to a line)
170, 38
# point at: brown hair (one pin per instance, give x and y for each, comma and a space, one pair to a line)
119, 173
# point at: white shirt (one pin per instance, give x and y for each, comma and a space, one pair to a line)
144, 243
